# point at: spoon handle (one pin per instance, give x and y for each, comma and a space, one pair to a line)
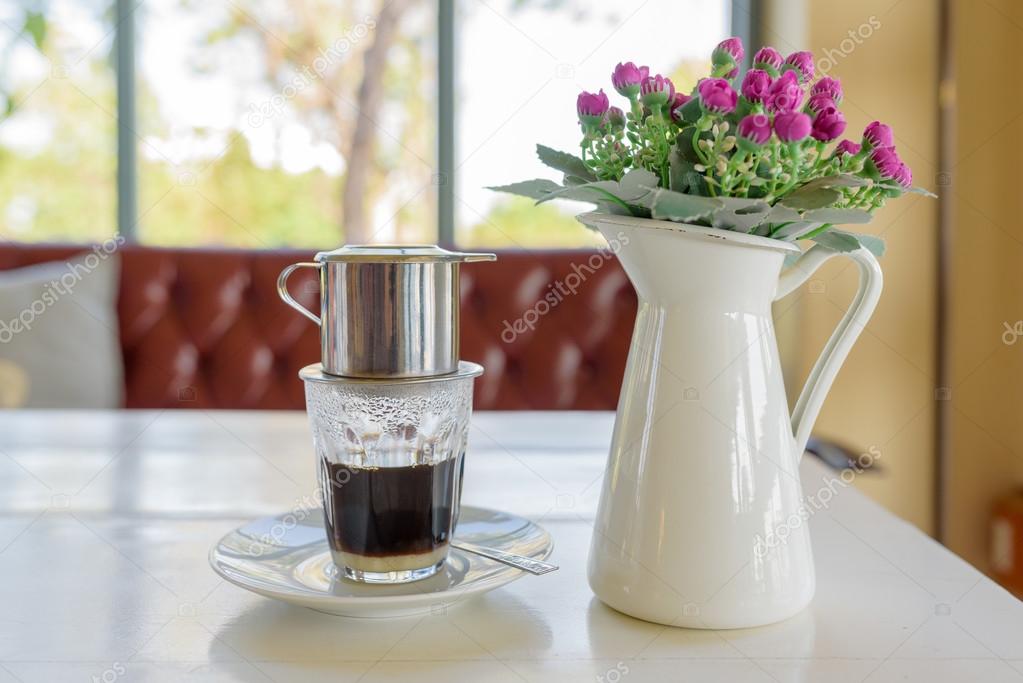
519, 561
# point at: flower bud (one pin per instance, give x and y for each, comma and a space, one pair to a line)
756, 85
768, 59
884, 164
716, 95
802, 64
829, 86
627, 77
727, 55
656, 91
847, 147
591, 107
792, 126
818, 102
785, 94
904, 176
754, 131
878, 135
828, 124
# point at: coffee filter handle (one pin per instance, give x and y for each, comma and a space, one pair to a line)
282, 289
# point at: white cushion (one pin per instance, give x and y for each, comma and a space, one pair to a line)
59, 344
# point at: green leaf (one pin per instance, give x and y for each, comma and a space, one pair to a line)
682, 208
782, 214
585, 192
636, 184
837, 180
903, 190
812, 198
678, 167
35, 26
795, 230
871, 243
564, 162
538, 188
739, 213
603, 193
691, 110
837, 216
837, 240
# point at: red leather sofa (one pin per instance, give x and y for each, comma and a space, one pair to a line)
204, 328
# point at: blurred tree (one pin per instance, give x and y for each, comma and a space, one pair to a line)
57, 132
354, 74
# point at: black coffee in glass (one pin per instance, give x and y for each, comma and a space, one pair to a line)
391, 524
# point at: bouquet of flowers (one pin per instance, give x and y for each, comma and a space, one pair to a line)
747, 154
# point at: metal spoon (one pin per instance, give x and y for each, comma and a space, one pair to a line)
512, 560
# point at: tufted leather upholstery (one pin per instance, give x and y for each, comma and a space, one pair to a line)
204, 328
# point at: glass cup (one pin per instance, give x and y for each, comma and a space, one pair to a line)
389, 461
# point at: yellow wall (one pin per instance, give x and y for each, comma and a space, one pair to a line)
987, 269
884, 396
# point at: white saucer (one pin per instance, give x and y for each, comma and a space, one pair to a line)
286, 557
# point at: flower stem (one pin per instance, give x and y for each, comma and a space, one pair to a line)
817, 231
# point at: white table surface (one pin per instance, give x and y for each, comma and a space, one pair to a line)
106, 520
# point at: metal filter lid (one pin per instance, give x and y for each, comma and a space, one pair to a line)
393, 253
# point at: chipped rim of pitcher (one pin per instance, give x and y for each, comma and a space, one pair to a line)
591, 218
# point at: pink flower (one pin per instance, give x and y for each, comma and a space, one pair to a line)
886, 163
792, 126
904, 176
828, 124
890, 167
729, 52
733, 47
818, 102
627, 77
829, 86
878, 134
656, 91
768, 59
717, 95
847, 147
591, 107
801, 62
675, 106
785, 93
756, 85
755, 128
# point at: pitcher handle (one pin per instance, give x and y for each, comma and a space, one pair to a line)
842, 339
282, 289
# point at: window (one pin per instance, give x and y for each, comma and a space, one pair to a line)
261, 127
259, 124
520, 65
58, 158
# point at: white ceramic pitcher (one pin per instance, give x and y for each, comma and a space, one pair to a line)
700, 521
